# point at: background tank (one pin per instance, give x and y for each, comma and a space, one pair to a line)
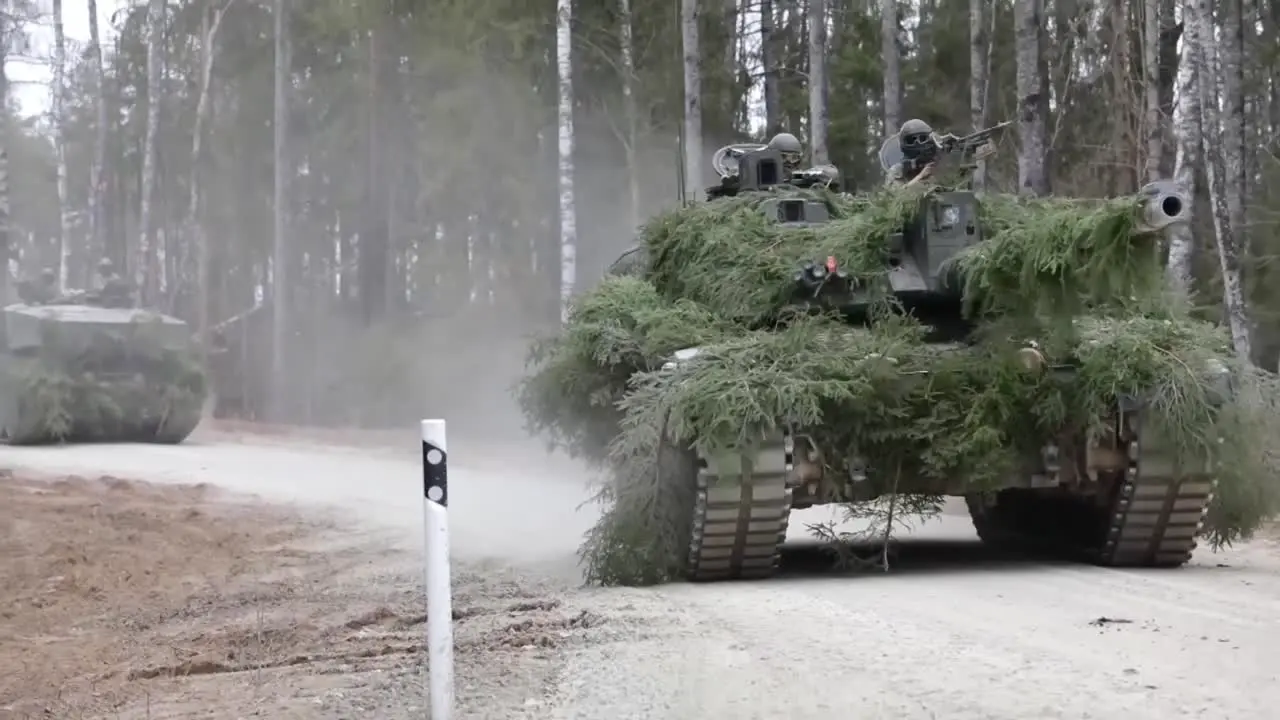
74, 372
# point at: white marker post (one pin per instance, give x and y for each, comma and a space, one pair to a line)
435, 490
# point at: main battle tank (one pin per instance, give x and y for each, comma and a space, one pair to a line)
72, 370
1115, 501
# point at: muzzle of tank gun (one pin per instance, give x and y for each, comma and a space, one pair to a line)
1164, 205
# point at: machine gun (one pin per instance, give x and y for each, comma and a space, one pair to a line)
966, 150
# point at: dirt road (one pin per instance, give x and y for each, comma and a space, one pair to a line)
952, 633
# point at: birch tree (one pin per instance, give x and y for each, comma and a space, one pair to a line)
97, 225
1224, 165
568, 212
280, 245
692, 99
59, 121
626, 51
1028, 18
147, 257
891, 58
818, 119
1189, 137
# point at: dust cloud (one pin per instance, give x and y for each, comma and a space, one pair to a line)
473, 270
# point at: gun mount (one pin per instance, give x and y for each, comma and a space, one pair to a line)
745, 167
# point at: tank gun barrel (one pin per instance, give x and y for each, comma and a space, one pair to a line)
1164, 205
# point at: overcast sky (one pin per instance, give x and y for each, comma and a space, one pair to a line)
30, 75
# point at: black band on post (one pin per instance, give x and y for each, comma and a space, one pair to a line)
435, 475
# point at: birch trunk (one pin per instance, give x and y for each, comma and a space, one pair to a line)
769, 66
280, 330
692, 100
1032, 97
1189, 136
568, 213
147, 258
1218, 164
818, 119
1228, 181
194, 230
97, 191
629, 109
979, 60
1152, 119
57, 108
891, 58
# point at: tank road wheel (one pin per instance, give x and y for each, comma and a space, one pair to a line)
1150, 517
740, 513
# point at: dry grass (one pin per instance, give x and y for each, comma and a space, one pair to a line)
122, 599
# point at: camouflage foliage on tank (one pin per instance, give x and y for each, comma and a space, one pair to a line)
85, 373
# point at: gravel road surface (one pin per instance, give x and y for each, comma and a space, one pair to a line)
953, 632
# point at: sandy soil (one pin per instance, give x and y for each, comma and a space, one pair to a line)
320, 608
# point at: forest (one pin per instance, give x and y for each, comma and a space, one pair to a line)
375, 203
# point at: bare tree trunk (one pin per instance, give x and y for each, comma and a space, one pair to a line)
194, 230
1189, 142
818, 119
1222, 164
891, 58
57, 108
1032, 97
692, 99
769, 65
1152, 122
147, 259
629, 109
280, 330
979, 62
97, 189
568, 212
6, 229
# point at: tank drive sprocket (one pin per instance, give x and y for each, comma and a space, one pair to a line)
1151, 518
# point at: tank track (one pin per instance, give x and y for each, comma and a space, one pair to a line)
1158, 511
1152, 519
740, 515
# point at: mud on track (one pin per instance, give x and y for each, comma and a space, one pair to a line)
123, 599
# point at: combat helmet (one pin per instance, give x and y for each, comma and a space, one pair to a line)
915, 137
789, 146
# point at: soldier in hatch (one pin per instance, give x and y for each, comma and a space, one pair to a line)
915, 140
791, 149
112, 290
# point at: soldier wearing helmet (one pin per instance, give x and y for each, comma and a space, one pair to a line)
791, 149
112, 290
919, 149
